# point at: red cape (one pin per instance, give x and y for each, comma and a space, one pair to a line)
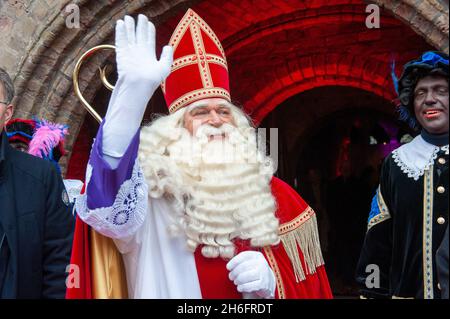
293, 213
296, 276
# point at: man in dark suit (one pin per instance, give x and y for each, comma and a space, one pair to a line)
36, 225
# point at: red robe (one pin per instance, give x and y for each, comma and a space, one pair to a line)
81, 257
298, 275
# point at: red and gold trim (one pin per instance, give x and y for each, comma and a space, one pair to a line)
274, 266
297, 222
198, 95
183, 26
199, 69
192, 60
200, 51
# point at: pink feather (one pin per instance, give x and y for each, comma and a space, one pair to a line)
46, 136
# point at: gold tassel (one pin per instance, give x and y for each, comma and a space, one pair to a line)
305, 236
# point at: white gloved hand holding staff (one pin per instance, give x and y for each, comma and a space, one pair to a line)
139, 75
252, 275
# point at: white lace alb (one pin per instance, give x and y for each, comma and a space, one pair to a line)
127, 213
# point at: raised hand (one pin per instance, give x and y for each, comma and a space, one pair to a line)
139, 75
251, 273
135, 53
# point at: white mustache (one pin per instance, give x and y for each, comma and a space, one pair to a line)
208, 130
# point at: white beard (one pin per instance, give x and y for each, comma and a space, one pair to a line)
220, 188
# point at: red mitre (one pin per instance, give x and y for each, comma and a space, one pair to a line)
199, 70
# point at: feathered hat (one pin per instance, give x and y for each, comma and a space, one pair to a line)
48, 141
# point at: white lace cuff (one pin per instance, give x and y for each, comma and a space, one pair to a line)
127, 213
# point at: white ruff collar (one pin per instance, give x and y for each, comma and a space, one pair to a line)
416, 156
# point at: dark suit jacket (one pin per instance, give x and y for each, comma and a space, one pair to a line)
36, 226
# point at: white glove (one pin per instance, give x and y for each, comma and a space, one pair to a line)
139, 75
251, 273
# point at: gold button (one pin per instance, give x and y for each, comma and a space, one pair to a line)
441, 189
441, 220
441, 160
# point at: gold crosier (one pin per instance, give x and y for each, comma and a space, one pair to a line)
108, 279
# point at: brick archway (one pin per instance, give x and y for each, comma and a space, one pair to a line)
428, 18
332, 70
44, 77
41, 64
